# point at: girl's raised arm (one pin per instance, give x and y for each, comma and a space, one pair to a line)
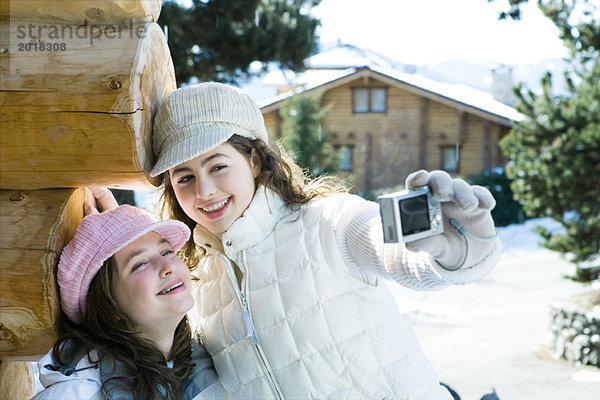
464, 253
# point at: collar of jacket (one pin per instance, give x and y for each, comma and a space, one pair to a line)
258, 221
109, 369
87, 368
52, 372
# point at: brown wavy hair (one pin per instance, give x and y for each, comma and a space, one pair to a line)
107, 330
278, 172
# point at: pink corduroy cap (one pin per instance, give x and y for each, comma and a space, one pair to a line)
98, 237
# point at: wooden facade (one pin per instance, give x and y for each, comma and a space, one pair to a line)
415, 130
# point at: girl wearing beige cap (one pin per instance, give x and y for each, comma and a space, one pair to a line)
292, 303
125, 295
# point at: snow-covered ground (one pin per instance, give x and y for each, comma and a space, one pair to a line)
522, 237
518, 240
495, 333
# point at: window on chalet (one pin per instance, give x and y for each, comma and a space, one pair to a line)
449, 158
345, 153
369, 99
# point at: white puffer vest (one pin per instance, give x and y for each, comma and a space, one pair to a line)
300, 324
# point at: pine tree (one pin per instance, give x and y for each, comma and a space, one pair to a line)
304, 139
217, 40
555, 162
555, 150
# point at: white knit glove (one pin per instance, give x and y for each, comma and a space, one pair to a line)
469, 233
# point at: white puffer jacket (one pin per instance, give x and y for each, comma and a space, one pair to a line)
311, 319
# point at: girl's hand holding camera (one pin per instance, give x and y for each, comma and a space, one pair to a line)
469, 233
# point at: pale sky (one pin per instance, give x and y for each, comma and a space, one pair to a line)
428, 31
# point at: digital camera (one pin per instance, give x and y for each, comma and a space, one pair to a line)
410, 215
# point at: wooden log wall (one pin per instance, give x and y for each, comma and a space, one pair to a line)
82, 109
107, 11
80, 84
36, 225
16, 379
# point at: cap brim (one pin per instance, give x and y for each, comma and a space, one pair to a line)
175, 232
191, 148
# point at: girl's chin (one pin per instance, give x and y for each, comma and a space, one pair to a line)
217, 232
217, 228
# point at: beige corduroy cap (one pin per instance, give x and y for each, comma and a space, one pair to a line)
195, 119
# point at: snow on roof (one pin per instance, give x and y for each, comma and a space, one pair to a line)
304, 81
464, 94
279, 78
343, 55
457, 92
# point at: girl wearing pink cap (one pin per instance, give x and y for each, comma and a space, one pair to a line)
125, 294
290, 270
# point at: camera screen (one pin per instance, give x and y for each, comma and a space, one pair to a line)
414, 214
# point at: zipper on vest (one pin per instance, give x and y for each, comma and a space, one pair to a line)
270, 374
250, 332
241, 297
261, 354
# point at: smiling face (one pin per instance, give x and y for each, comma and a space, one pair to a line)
152, 285
215, 188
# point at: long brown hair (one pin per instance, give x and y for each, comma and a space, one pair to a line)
107, 330
278, 172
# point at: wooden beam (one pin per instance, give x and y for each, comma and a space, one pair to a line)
488, 150
82, 116
35, 227
16, 380
368, 176
423, 114
462, 126
93, 11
